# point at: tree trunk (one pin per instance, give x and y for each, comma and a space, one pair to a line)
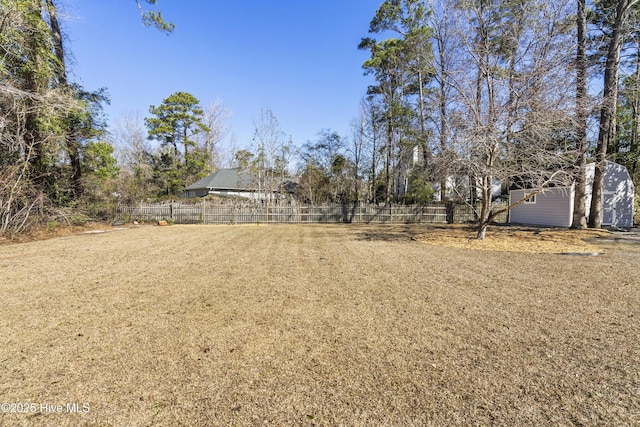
635, 120
473, 191
33, 135
443, 190
485, 211
423, 129
374, 152
482, 230
443, 121
56, 36
579, 200
186, 147
387, 164
607, 113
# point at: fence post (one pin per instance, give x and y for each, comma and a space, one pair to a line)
450, 209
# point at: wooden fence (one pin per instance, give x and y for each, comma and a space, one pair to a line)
209, 213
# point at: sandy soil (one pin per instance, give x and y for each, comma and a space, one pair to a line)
315, 325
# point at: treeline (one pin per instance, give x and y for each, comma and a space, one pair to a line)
467, 95
54, 155
473, 93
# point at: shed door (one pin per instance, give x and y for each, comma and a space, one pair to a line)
608, 208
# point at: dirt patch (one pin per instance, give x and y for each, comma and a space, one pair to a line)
516, 239
314, 325
53, 230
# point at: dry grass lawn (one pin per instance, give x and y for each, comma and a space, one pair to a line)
315, 325
516, 239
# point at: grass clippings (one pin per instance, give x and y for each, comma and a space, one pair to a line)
314, 325
516, 239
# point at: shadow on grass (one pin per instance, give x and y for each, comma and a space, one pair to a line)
384, 237
398, 232
627, 241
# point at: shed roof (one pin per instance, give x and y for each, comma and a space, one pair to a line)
224, 179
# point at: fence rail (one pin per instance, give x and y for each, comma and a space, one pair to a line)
209, 213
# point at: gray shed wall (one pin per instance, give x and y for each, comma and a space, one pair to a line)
553, 207
617, 197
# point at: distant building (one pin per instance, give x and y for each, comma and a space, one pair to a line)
233, 182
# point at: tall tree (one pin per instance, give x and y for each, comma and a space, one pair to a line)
372, 110
579, 208
441, 20
607, 128
408, 19
215, 119
401, 67
133, 152
272, 150
323, 167
626, 146
44, 118
514, 121
357, 148
33, 105
176, 123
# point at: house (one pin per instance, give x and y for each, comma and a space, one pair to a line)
233, 182
554, 206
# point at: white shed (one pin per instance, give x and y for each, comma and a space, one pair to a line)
554, 206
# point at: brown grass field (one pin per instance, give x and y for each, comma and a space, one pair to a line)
317, 326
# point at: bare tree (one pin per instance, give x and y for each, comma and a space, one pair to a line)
133, 152
20, 200
271, 148
357, 146
216, 119
33, 103
228, 153
44, 118
401, 67
372, 113
442, 23
514, 116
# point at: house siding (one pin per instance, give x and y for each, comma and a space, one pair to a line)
618, 193
553, 207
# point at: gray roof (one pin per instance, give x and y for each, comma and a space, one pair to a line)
224, 179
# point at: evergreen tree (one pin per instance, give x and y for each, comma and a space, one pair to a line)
176, 123
401, 67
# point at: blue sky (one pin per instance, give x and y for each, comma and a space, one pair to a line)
298, 58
